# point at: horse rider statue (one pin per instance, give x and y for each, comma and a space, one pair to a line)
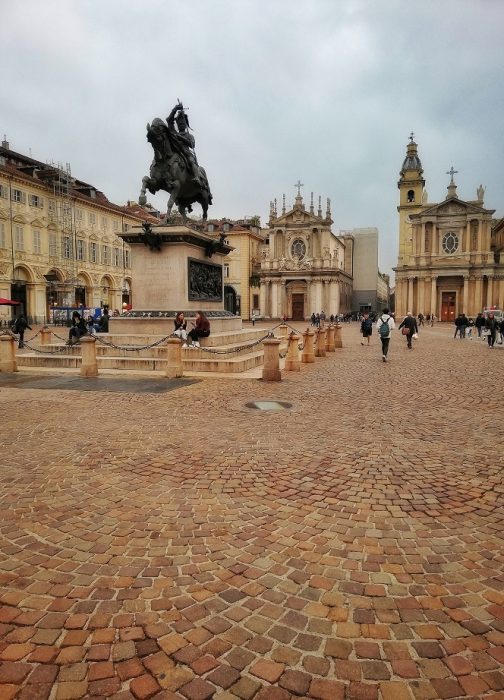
175, 167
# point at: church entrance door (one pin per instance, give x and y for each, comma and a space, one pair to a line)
298, 307
448, 306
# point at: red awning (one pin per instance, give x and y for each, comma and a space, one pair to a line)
8, 302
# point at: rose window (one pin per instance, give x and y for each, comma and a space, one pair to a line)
450, 242
298, 249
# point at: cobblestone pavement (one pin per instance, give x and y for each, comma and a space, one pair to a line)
182, 547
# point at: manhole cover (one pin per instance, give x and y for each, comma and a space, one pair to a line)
269, 405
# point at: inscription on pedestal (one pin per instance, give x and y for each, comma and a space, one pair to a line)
204, 281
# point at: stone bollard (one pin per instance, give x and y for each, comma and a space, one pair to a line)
308, 355
320, 346
338, 343
89, 366
283, 330
45, 335
271, 369
174, 358
8, 354
330, 338
292, 360
327, 328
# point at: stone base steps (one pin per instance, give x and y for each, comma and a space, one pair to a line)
190, 363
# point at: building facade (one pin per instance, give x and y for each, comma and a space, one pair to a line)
305, 268
58, 240
242, 266
447, 262
370, 286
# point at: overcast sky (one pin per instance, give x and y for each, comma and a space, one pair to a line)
322, 90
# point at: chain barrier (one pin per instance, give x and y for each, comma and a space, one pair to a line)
58, 351
132, 348
9, 333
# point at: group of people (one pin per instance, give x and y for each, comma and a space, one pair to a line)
200, 329
489, 327
80, 326
318, 320
385, 324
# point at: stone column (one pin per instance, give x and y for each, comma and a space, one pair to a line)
465, 303
274, 300
174, 358
8, 354
330, 338
292, 359
89, 366
433, 298
421, 296
308, 354
320, 344
490, 292
409, 304
271, 369
478, 295
422, 243
501, 293
283, 298
262, 298
337, 298
45, 335
338, 343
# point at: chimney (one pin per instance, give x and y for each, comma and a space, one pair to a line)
5, 143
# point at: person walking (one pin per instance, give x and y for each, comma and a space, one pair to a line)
366, 329
384, 326
20, 325
409, 326
420, 319
479, 323
491, 324
463, 326
501, 331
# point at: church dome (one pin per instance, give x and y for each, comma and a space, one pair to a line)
412, 161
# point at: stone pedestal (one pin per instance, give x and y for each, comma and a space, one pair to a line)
292, 360
271, 369
307, 354
45, 336
330, 338
8, 354
320, 344
338, 343
174, 358
174, 268
89, 366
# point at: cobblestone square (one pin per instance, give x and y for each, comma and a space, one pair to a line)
181, 546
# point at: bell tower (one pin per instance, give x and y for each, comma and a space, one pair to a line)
411, 193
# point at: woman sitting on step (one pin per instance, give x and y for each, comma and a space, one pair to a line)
180, 326
201, 330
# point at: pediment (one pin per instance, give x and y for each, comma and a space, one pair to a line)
19, 219
37, 223
450, 206
297, 216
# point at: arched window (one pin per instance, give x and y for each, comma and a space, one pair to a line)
411, 196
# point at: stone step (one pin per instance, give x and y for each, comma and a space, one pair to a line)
143, 364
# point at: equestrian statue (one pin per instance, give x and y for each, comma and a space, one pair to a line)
175, 168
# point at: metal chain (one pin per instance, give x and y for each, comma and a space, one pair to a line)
132, 348
59, 351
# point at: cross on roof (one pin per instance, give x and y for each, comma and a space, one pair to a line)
412, 136
299, 184
452, 173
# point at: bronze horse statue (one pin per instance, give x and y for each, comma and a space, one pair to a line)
175, 169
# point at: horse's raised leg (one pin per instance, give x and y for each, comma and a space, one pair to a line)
142, 199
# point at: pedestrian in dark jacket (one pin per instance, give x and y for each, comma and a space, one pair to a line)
501, 330
103, 323
410, 325
479, 323
491, 324
20, 325
366, 329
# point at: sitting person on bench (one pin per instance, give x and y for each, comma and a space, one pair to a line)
180, 326
201, 329
77, 330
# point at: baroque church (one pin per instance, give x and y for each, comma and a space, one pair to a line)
305, 268
448, 260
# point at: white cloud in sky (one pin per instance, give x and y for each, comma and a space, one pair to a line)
327, 91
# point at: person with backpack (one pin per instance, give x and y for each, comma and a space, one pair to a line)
366, 328
385, 325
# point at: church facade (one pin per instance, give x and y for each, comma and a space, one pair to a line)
447, 262
305, 268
